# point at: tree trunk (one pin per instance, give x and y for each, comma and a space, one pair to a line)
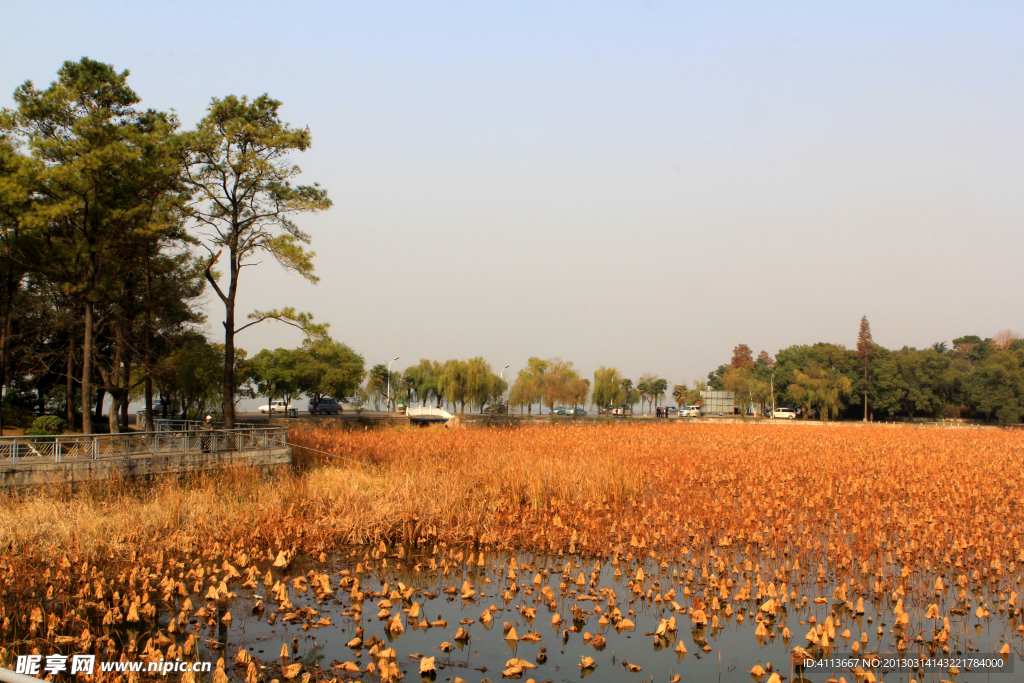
115, 409
113, 381
5, 343
228, 387
127, 399
147, 352
87, 345
70, 389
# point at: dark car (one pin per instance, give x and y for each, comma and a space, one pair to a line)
496, 409
328, 406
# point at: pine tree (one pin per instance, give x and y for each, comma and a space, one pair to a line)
244, 203
865, 347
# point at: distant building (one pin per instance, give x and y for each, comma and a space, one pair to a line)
718, 403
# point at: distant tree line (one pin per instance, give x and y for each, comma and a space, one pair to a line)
979, 378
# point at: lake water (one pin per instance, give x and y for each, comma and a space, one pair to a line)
734, 647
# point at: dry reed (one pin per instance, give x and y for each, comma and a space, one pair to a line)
899, 509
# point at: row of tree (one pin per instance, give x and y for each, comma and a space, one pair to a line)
459, 383
975, 377
113, 221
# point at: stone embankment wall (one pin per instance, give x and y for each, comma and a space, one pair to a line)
40, 471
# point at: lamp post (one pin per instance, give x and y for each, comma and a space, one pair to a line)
389, 383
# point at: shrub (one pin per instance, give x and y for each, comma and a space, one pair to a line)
13, 416
36, 431
50, 424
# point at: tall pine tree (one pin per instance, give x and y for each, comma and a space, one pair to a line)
865, 347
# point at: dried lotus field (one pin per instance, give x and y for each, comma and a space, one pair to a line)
627, 552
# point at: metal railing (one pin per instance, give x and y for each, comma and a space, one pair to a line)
171, 437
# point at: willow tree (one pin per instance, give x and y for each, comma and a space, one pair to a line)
240, 170
529, 385
821, 389
608, 390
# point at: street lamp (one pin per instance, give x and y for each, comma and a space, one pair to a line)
389, 383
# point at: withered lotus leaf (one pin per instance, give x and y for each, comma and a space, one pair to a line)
522, 663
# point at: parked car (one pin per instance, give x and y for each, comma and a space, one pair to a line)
578, 411
496, 409
784, 414
328, 406
605, 410
621, 411
279, 407
670, 410
690, 411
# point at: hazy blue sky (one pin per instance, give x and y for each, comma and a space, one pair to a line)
640, 185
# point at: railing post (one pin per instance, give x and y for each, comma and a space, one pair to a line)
14, 452
56, 450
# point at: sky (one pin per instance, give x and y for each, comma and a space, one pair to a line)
639, 185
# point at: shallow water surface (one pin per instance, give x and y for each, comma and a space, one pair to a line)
725, 649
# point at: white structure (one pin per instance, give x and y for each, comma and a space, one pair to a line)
425, 413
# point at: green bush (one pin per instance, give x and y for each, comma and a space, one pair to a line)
13, 416
35, 431
50, 424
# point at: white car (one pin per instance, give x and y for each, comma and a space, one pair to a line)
690, 411
784, 414
279, 407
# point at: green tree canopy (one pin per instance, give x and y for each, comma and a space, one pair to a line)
239, 171
424, 380
274, 373
997, 386
529, 385
820, 390
326, 368
102, 172
377, 384
608, 390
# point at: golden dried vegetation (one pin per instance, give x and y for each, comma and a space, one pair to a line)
755, 517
